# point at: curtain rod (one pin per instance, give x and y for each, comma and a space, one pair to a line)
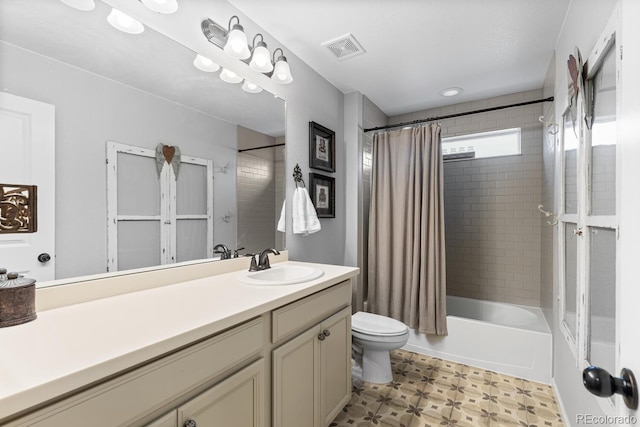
449, 116
260, 148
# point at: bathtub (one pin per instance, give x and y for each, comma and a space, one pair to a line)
505, 338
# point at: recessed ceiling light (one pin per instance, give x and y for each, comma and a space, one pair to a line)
451, 91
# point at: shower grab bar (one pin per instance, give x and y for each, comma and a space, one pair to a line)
548, 214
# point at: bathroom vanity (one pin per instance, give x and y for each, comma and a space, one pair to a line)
149, 349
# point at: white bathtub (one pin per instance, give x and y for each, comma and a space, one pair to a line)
505, 338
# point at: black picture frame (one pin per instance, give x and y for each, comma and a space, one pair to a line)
322, 148
322, 190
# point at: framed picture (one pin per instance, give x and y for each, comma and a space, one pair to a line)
323, 195
322, 148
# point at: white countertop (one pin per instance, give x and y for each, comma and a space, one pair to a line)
69, 347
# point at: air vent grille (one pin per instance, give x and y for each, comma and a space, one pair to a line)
344, 47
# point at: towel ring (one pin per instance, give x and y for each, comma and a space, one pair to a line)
297, 176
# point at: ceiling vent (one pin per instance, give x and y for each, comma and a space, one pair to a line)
344, 47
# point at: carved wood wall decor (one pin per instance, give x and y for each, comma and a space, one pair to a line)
169, 154
18, 208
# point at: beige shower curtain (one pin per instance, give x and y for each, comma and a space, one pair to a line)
407, 277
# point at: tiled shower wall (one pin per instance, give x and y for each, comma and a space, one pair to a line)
493, 227
256, 202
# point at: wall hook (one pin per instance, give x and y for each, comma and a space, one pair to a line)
552, 128
223, 169
227, 217
552, 222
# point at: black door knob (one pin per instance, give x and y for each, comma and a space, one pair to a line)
599, 382
44, 257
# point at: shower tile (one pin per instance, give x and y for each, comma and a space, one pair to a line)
428, 391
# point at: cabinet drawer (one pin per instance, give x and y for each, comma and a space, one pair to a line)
302, 314
131, 396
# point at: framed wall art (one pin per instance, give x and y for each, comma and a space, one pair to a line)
322, 190
322, 148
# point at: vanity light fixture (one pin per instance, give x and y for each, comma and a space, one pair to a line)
236, 46
260, 58
249, 87
229, 76
84, 5
203, 63
161, 6
452, 91
278, 69
281, 70
124, 22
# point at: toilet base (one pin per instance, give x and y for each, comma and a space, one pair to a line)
376, 366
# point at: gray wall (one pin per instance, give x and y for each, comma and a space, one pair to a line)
491, 216
91, 110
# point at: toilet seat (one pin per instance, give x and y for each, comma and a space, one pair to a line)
376, 325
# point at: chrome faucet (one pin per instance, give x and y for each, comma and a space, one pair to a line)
263, 260
225, 252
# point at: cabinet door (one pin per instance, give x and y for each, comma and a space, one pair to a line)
335, 365
237, 401
296, 381
169, 420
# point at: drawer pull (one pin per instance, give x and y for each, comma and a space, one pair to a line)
326, 333
190, 423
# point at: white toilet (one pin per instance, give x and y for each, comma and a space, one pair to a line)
374, 336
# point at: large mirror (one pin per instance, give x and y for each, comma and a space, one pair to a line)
127, 107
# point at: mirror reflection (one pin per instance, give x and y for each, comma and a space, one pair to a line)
146, 165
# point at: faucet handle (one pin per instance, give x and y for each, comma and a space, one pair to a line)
235, 252
254, 263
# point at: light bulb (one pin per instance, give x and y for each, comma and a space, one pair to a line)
261, 60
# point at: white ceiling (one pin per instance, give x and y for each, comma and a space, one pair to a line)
416, 48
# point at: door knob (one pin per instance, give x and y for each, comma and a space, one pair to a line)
599, 382
44, 257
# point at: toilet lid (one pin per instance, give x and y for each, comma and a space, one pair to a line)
374, 324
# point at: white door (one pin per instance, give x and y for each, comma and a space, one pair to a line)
27, 144
600, 204
629, 140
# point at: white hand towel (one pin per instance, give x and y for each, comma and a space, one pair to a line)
305, 218
281, 224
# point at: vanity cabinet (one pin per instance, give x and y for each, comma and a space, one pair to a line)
237, 401
312, 371
131, 398
288, 367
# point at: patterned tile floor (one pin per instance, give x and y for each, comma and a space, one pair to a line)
427, 391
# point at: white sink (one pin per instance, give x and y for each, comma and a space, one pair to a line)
280, 275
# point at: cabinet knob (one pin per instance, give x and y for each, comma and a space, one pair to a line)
326, 333
190, 423
321, 337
